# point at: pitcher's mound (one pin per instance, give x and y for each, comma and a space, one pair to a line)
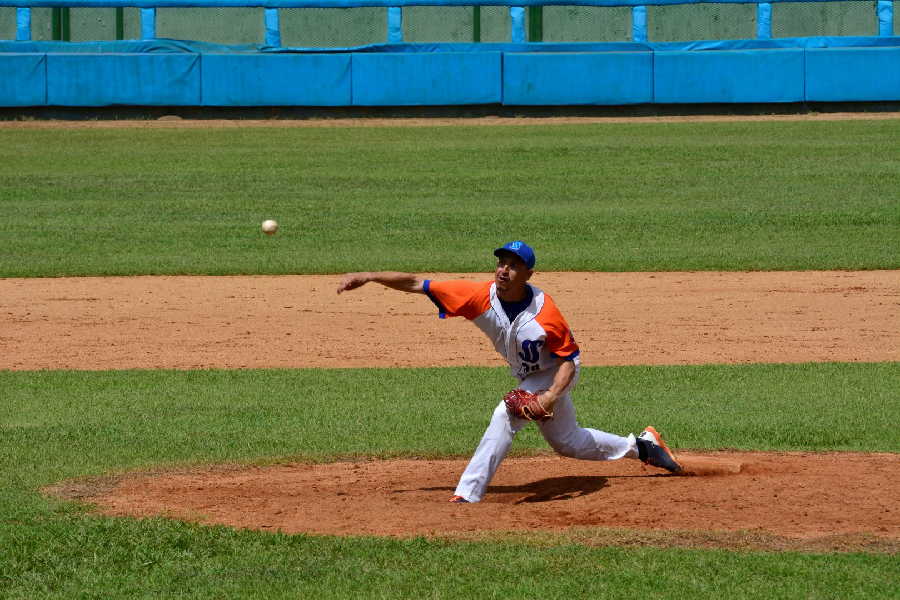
779, 497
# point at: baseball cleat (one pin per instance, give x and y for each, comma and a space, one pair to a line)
653, 451
458, 500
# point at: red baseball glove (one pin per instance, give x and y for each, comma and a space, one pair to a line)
525, 405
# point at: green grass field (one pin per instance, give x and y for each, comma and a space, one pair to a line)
602, 197
590, 197
60, 425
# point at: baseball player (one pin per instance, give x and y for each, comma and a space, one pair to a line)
528, 330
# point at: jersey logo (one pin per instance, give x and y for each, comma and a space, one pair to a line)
531, 350
530, 356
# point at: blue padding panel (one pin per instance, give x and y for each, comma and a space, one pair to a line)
135, 79
853, 74
23, 79
276, 79
591, 78
729, 76
426, 79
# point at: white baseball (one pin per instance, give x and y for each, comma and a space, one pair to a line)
269, 226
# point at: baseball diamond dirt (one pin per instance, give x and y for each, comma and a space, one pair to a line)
328, 119
299, 321
810, 501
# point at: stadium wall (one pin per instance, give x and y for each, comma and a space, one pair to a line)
168, 72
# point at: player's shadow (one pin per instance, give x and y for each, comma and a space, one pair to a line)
553, 488
547, 490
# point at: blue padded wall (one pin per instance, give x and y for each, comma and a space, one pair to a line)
729, 76
185, 73
276, 79
562, 78
135, 79
23, 79
856, 74
409, 79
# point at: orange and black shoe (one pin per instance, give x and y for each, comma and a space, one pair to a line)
653, 451
458, 500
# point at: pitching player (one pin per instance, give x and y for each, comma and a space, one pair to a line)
528, 330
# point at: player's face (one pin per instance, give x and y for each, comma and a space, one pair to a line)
511, 275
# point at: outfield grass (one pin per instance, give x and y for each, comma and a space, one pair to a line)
591, 197
60, 424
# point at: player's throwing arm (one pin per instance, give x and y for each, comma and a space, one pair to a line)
405, 282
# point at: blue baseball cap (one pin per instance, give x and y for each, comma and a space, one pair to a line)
520, 249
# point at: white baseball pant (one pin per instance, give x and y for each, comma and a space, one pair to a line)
562, 432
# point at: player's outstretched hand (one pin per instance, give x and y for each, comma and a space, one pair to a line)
351, 281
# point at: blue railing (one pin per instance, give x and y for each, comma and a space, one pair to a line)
884, 12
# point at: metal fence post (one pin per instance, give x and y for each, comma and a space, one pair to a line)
66, 24
395, 25
517, 24
885, 15
120, 23
23, 24
148, 23
535, 23
273, 27
764, 21
55, 24
639, 24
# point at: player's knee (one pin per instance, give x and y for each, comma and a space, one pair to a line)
565, 447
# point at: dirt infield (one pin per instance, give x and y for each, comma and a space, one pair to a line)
177, 122
299, 321
799, 501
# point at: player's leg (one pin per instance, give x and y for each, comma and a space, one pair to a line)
565, 436
568, 438
488, 455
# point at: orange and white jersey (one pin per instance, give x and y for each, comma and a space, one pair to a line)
533, 342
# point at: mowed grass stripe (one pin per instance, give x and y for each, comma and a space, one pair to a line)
610, 197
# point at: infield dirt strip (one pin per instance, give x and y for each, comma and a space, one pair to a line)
300, 321
816, 500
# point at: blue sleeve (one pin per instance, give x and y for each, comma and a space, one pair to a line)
442, 312
569, 357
